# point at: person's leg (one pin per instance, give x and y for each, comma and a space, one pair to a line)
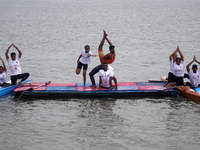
186, 76
93, 72
84, 77
179, 81
23, 76
78, 69
170, 77
13, 79
85, 66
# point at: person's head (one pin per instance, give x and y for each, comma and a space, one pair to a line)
112, 48
13, 55
194, 68
87, 48
1, 69
178, 61
105, 67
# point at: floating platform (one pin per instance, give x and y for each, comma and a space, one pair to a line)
76, 90
7, 89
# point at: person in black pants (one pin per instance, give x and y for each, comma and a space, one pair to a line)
14, 65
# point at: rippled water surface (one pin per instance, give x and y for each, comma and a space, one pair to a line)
51, 35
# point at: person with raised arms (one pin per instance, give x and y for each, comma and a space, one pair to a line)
3, 73
15, 67
83, 61
105, 77
108, 58
177, 67
194, 74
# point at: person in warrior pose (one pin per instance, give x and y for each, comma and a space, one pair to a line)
84, 60
194, 74
14, 65
3, 73
108, 58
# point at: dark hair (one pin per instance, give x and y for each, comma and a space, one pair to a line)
178, 58
194, 66
111, 46
87, 46
13, 53
2, 67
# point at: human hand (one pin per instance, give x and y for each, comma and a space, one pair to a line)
194, 58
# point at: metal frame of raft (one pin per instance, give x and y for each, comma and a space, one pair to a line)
76, 90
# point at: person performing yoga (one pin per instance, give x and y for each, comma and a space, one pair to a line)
108, 58
15, 67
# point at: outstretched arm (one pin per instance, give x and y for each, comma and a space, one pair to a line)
182, 57
7, 57
4, 66
188, 66
20, 53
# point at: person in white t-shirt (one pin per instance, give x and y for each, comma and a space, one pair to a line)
3, 73
194, 74
176, 69
83, 61
14, 65
105, 77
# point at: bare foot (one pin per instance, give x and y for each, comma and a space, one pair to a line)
20, 83
169, 84
93, 86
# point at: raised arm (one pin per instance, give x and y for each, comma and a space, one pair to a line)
20, 53
188, 66
109, 42
197, 61
4, 66
182, 57
173, 55
7, 56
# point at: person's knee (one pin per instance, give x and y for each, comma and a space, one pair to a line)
78, 71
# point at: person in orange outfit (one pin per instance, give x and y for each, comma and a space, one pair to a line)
108, 58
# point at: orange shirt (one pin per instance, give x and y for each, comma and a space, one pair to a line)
110, 61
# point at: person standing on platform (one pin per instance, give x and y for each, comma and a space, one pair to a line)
83, 61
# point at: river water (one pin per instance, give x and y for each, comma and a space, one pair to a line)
51, 35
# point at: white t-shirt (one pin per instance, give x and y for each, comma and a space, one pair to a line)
111, 69
14, 66
194, 78
105, 76
178, 69
3, 77
85, 59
